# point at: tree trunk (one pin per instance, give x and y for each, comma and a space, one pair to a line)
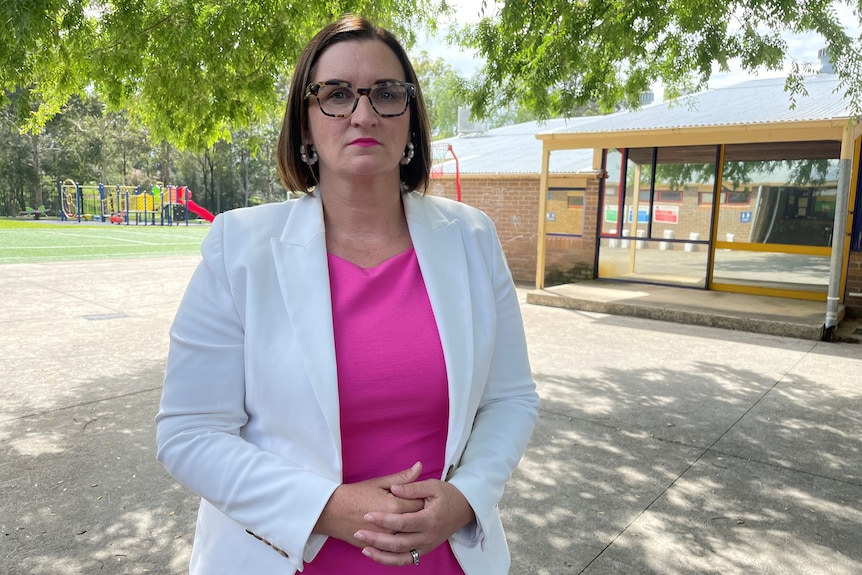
37, 170
166, 161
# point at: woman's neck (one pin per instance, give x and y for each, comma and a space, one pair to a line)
364, 225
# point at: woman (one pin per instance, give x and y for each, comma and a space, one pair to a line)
347, 385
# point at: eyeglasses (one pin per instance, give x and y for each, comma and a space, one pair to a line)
339, 99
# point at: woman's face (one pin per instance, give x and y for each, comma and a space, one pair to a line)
363, 144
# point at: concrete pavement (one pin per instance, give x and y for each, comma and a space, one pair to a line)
662, 448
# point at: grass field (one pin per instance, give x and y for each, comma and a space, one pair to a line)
27, 241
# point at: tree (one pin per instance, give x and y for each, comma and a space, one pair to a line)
443, 90
555, 55
17, 171
189, 70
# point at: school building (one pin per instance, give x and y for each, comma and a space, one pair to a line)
740, 189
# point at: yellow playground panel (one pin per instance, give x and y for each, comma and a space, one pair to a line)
132, 200
144, 202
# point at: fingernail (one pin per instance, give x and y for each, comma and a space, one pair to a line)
366, 552
368, 517
359, 536
397, 488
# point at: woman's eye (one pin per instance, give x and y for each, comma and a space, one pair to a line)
339, 95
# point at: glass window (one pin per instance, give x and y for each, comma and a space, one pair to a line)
665, 234
611, 200
576, 200
685, 178
668, 196
736, 197
786, 192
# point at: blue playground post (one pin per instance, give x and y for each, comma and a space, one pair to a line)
127, 207
102, 202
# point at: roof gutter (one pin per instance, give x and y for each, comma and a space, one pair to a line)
831, 129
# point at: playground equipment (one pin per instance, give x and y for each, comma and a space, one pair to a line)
184, 197
124, 204
439, 156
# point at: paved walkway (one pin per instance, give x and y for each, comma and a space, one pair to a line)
752, 313
662, 448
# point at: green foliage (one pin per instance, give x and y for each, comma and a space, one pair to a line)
555, 55
804, 173
443, 90
188, 70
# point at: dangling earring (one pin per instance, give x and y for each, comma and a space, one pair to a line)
304, 157
408, 154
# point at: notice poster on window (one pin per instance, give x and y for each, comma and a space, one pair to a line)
665, 214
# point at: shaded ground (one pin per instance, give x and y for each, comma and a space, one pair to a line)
661, 449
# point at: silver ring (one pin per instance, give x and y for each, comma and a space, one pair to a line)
415, 555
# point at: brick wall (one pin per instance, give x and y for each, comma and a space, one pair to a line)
512, 202
572, 258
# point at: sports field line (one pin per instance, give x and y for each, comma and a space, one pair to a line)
98, 237
91, 246
163, 232
38, 259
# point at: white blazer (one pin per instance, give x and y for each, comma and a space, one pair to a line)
249, 416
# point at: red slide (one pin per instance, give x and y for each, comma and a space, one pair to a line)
184, 195
201, 211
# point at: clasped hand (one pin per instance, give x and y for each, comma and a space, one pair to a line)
390, 516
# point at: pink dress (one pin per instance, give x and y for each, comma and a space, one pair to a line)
393, 393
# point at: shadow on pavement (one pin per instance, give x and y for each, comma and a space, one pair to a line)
668, 473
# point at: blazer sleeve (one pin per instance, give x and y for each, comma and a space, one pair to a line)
201, 417
508, 407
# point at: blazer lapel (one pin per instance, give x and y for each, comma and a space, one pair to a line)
442, 258
303, 273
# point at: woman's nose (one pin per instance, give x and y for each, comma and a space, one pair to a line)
364, 112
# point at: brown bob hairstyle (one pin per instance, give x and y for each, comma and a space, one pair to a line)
297, 175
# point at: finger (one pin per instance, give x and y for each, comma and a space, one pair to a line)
399, 505
416, 490
393, 559
398, 522
407, 476
394, 543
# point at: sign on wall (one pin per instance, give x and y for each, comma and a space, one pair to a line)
643, 215
666, 214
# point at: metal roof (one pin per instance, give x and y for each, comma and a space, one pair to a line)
759, 101
514, 150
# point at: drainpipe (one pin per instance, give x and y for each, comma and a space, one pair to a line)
839, 232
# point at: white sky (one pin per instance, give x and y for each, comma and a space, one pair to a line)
802, 48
